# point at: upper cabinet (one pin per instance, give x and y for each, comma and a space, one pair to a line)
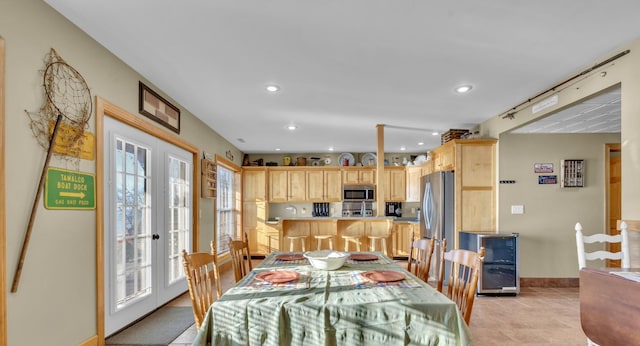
254, 184
443, 157
287, 185
475, 185
324, 185
359, 175
395, 184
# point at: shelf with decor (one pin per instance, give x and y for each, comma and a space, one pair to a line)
209, 176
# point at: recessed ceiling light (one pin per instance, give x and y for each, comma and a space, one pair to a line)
403, 148
331, 149
291, 127
420, 143
272, 88
463, 89
277, 149
435, 133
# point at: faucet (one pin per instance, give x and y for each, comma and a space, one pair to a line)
292, 209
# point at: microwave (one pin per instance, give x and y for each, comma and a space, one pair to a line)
357, 193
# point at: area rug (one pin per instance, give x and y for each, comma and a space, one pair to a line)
158, 329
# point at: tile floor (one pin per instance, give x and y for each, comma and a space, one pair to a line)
537, 316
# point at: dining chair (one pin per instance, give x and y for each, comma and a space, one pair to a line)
463, 278
203, 279
240, 257
621, 239
420, 253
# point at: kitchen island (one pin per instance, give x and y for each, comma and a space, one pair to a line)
397, 233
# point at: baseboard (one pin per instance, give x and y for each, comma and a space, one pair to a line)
92, 341
550, 282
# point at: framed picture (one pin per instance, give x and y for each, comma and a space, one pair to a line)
543, 167
547, 179
155, 107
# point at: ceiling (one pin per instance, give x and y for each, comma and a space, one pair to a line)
345, 66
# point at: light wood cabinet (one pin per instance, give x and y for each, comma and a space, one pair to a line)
278, 181
297, 185
473, 162
332, 185
414, 173
254, 206
254, 215
395, 184
402, 233
287, 185
475, 186
443, 157
254, 184
359, 175
324, 185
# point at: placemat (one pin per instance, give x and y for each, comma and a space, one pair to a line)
272, 260
252, 283
360, 282
380, 260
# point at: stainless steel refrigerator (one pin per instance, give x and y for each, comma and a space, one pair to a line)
437, 214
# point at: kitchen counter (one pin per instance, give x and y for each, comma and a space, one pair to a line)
365, 218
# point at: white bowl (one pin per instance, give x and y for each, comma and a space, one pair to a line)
326, 259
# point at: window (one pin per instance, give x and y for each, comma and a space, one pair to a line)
227, 207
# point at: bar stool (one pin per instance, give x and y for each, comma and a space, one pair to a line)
293, 238
373, 240
320, 237
351, 239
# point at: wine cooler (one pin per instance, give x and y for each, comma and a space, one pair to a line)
499, 273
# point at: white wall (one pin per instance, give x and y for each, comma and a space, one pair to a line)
56, 300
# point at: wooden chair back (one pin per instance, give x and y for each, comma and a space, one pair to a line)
240, 257
463, 278
420, 253
203, 279
622, 239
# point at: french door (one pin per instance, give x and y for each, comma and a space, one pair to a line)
148, 190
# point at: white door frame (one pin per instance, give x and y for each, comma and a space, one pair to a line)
105, 108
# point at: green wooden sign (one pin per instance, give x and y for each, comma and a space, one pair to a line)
69, 190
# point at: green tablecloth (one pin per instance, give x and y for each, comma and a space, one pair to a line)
333, 308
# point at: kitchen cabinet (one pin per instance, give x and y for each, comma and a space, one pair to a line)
254, 184
443, 157
395, 184
268, 239
359, 175
287, 185
475, 186
254, 206
401, 237
324, 185
254, 215
414, 173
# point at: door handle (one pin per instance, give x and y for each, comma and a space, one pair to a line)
155, 236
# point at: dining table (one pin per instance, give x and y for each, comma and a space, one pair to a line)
610, 305
352, 305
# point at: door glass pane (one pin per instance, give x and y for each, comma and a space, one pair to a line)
133, 225
179, 211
